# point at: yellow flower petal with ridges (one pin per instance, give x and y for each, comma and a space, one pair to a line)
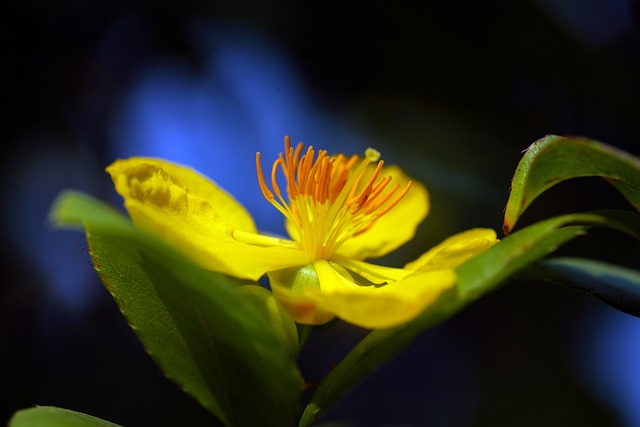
141, 169
379, 307
325, 290
455, 250
339, 211
372, 272
158, 202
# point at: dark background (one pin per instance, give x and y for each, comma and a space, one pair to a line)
452, 91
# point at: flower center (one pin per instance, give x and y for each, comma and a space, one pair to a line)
328, 200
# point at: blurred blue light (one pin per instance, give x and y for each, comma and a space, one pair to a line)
247, 98
56, 258
611, 365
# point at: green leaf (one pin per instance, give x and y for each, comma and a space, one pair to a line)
367, 356
264, 303
615, 285
554, 159
200, 329
525, 247
49, 416
476, 277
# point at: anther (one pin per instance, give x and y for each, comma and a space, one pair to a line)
263, 186
362, 197
395, 201
327, 199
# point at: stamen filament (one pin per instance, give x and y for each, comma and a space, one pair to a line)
361, 198
378, 189
395, 201
274, 182
263, 186
327, 201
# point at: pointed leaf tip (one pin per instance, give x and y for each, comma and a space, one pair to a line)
554, 159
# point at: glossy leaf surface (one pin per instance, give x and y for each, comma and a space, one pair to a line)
49, 416
477, 277
554, 159
196, 324
615, 285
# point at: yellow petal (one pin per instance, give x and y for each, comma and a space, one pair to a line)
163, 204
455, 250
293, 288
371, 272
394, 228
141, 168
382, 307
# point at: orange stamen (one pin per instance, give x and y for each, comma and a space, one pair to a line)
274, 182
379, 200
379, 187
342, 176
354, 188
395, 201
363, 196
326, 200
322, 192
305, 166
263, 185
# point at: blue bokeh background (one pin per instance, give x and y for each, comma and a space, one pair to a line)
451, 91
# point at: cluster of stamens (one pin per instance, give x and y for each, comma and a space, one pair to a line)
327, 201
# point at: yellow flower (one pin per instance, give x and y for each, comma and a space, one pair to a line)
339, 211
